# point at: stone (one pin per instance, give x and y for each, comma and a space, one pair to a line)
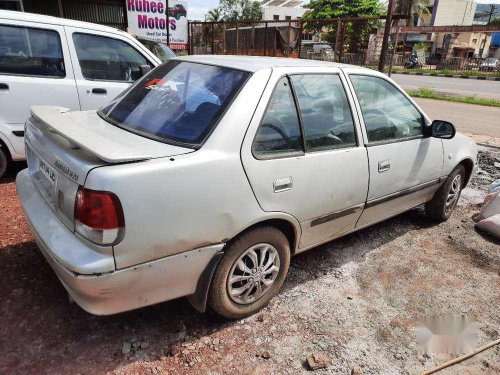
356, 371
317, 361
144, 345
126, 347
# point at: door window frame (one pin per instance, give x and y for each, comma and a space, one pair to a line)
305, 151
61, 48
424, 124
86, 32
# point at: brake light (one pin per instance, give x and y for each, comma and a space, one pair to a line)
99, 216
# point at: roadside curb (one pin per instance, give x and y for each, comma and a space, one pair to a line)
450, 76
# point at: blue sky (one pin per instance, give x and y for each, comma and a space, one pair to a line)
198, 8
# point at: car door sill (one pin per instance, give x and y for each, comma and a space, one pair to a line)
402, 193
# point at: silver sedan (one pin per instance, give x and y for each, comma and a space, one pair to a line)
209, 173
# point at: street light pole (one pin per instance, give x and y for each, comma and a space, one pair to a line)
168, 25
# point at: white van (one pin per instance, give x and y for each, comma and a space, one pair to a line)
56, 61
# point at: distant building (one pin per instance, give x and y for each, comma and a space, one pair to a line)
282, 10
444, 45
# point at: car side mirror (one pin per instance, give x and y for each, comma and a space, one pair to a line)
145, 69
442, 129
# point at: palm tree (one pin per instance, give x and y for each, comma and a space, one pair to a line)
214, 15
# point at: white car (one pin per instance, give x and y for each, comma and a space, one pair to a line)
206, 176
54, 61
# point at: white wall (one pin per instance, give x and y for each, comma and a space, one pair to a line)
269, 12
454, 12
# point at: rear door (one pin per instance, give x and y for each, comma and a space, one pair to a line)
104, 64
405, 163
302, 153
35, 69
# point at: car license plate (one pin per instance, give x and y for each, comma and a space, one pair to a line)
48, 172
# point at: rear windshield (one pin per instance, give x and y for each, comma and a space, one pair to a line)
178, 102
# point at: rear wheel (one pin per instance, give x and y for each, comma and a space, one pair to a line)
3, 162
251, 272
446, 198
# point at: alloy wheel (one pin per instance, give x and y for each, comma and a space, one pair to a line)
253, 273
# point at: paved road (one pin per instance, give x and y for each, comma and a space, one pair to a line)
458, 86
467, 118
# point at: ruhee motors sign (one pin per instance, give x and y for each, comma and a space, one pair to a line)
149, 19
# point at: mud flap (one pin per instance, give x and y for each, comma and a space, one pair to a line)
199, 299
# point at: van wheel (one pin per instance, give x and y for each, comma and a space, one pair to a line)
3, 162
251, 272
446, 198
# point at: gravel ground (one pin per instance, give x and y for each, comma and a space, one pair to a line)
353, 302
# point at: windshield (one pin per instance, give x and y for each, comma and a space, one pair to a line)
178, 102
161, 51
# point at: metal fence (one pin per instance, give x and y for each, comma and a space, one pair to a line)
345, 40
454, 64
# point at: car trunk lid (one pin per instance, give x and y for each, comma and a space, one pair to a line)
62, 147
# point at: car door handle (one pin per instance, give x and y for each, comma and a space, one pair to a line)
99, 91
384, 165
4, 86
282, 184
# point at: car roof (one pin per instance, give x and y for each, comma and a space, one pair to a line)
255, 63
39, 18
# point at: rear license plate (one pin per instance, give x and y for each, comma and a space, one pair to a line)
48, 172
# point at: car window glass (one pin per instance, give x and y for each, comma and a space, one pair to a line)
33, 52
176, 102
325, 112
108, 59
279, 130
387, 113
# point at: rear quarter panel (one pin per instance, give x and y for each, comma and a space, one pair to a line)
172, 205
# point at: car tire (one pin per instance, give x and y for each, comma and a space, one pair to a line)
445, 199
267, 243
3, 162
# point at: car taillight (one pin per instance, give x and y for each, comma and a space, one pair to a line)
99, 216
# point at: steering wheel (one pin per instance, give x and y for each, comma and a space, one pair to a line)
379, 127
283, 135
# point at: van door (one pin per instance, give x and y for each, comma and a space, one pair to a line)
35, 69
302, 154
105, 65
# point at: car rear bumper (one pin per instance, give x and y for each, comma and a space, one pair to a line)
104, 293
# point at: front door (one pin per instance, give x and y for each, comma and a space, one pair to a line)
104, 65
405, 164
35, 69
303, 157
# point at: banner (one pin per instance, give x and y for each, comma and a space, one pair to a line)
148, 19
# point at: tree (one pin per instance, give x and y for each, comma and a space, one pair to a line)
240, 10
496, 21
356, 32
214, 15
342, 8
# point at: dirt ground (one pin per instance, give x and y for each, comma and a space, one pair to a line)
356, 300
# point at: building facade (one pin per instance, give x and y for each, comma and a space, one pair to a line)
282, 10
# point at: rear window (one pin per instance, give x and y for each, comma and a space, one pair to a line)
178, 102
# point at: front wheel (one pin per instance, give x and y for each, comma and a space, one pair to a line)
446, 198
250, 273
3, 162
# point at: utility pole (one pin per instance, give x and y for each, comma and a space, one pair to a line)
168, 25
387, 31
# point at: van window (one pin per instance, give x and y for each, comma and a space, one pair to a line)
108, 59
31, 52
